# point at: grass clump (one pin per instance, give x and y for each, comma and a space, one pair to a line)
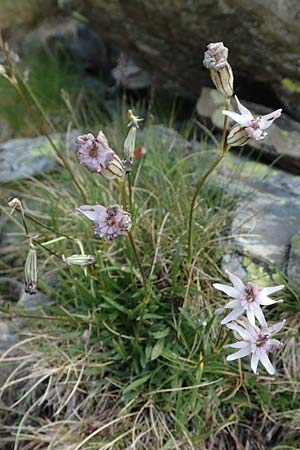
111, 364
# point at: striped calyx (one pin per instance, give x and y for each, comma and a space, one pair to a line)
223, 80
114, 169
238, 136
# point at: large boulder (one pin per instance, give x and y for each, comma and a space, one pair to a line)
263, 37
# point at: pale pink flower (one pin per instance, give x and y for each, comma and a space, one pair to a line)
247, 298
109, 222
256, 342
96, 155
249, 127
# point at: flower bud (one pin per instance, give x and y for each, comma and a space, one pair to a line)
129, 144
15, 204
223, 80
215, 60
79, 260
30, 272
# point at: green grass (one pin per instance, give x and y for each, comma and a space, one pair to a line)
93, 372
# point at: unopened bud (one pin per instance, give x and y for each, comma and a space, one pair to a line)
30, 272
79, 260
129, 144
215, 60
15, 204
223, 80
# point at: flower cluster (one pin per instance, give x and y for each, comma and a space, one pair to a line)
246, 303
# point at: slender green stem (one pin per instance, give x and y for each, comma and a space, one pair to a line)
136, 256
41, 224
130, 191
222, 151
15, 314
138, 262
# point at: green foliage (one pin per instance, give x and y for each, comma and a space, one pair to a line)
159, 378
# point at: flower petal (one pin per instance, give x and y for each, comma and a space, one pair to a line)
236, 281
237, 118
271, 290
251, 316
254, 362
267, 120
266, 301
276, 327
238, 344
233, 304
240, 354
235, 313
266, 362
260, 316
245, 334
230, 291
88, 212
243, 110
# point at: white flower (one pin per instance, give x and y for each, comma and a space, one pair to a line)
256, 342
247, 298
249, 127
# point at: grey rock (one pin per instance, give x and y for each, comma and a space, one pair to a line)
130, 76
8, 334
23, 158
282, 145
263, 36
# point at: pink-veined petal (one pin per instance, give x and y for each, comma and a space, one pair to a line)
266, 362
238, 118
230, 291
271, 290
235, 313
236, 281
267, 120
240, 354
254, 362
243, 110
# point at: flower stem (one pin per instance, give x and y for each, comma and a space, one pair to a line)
222, 151
130, 191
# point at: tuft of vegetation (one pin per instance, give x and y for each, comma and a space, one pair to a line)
106, 365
